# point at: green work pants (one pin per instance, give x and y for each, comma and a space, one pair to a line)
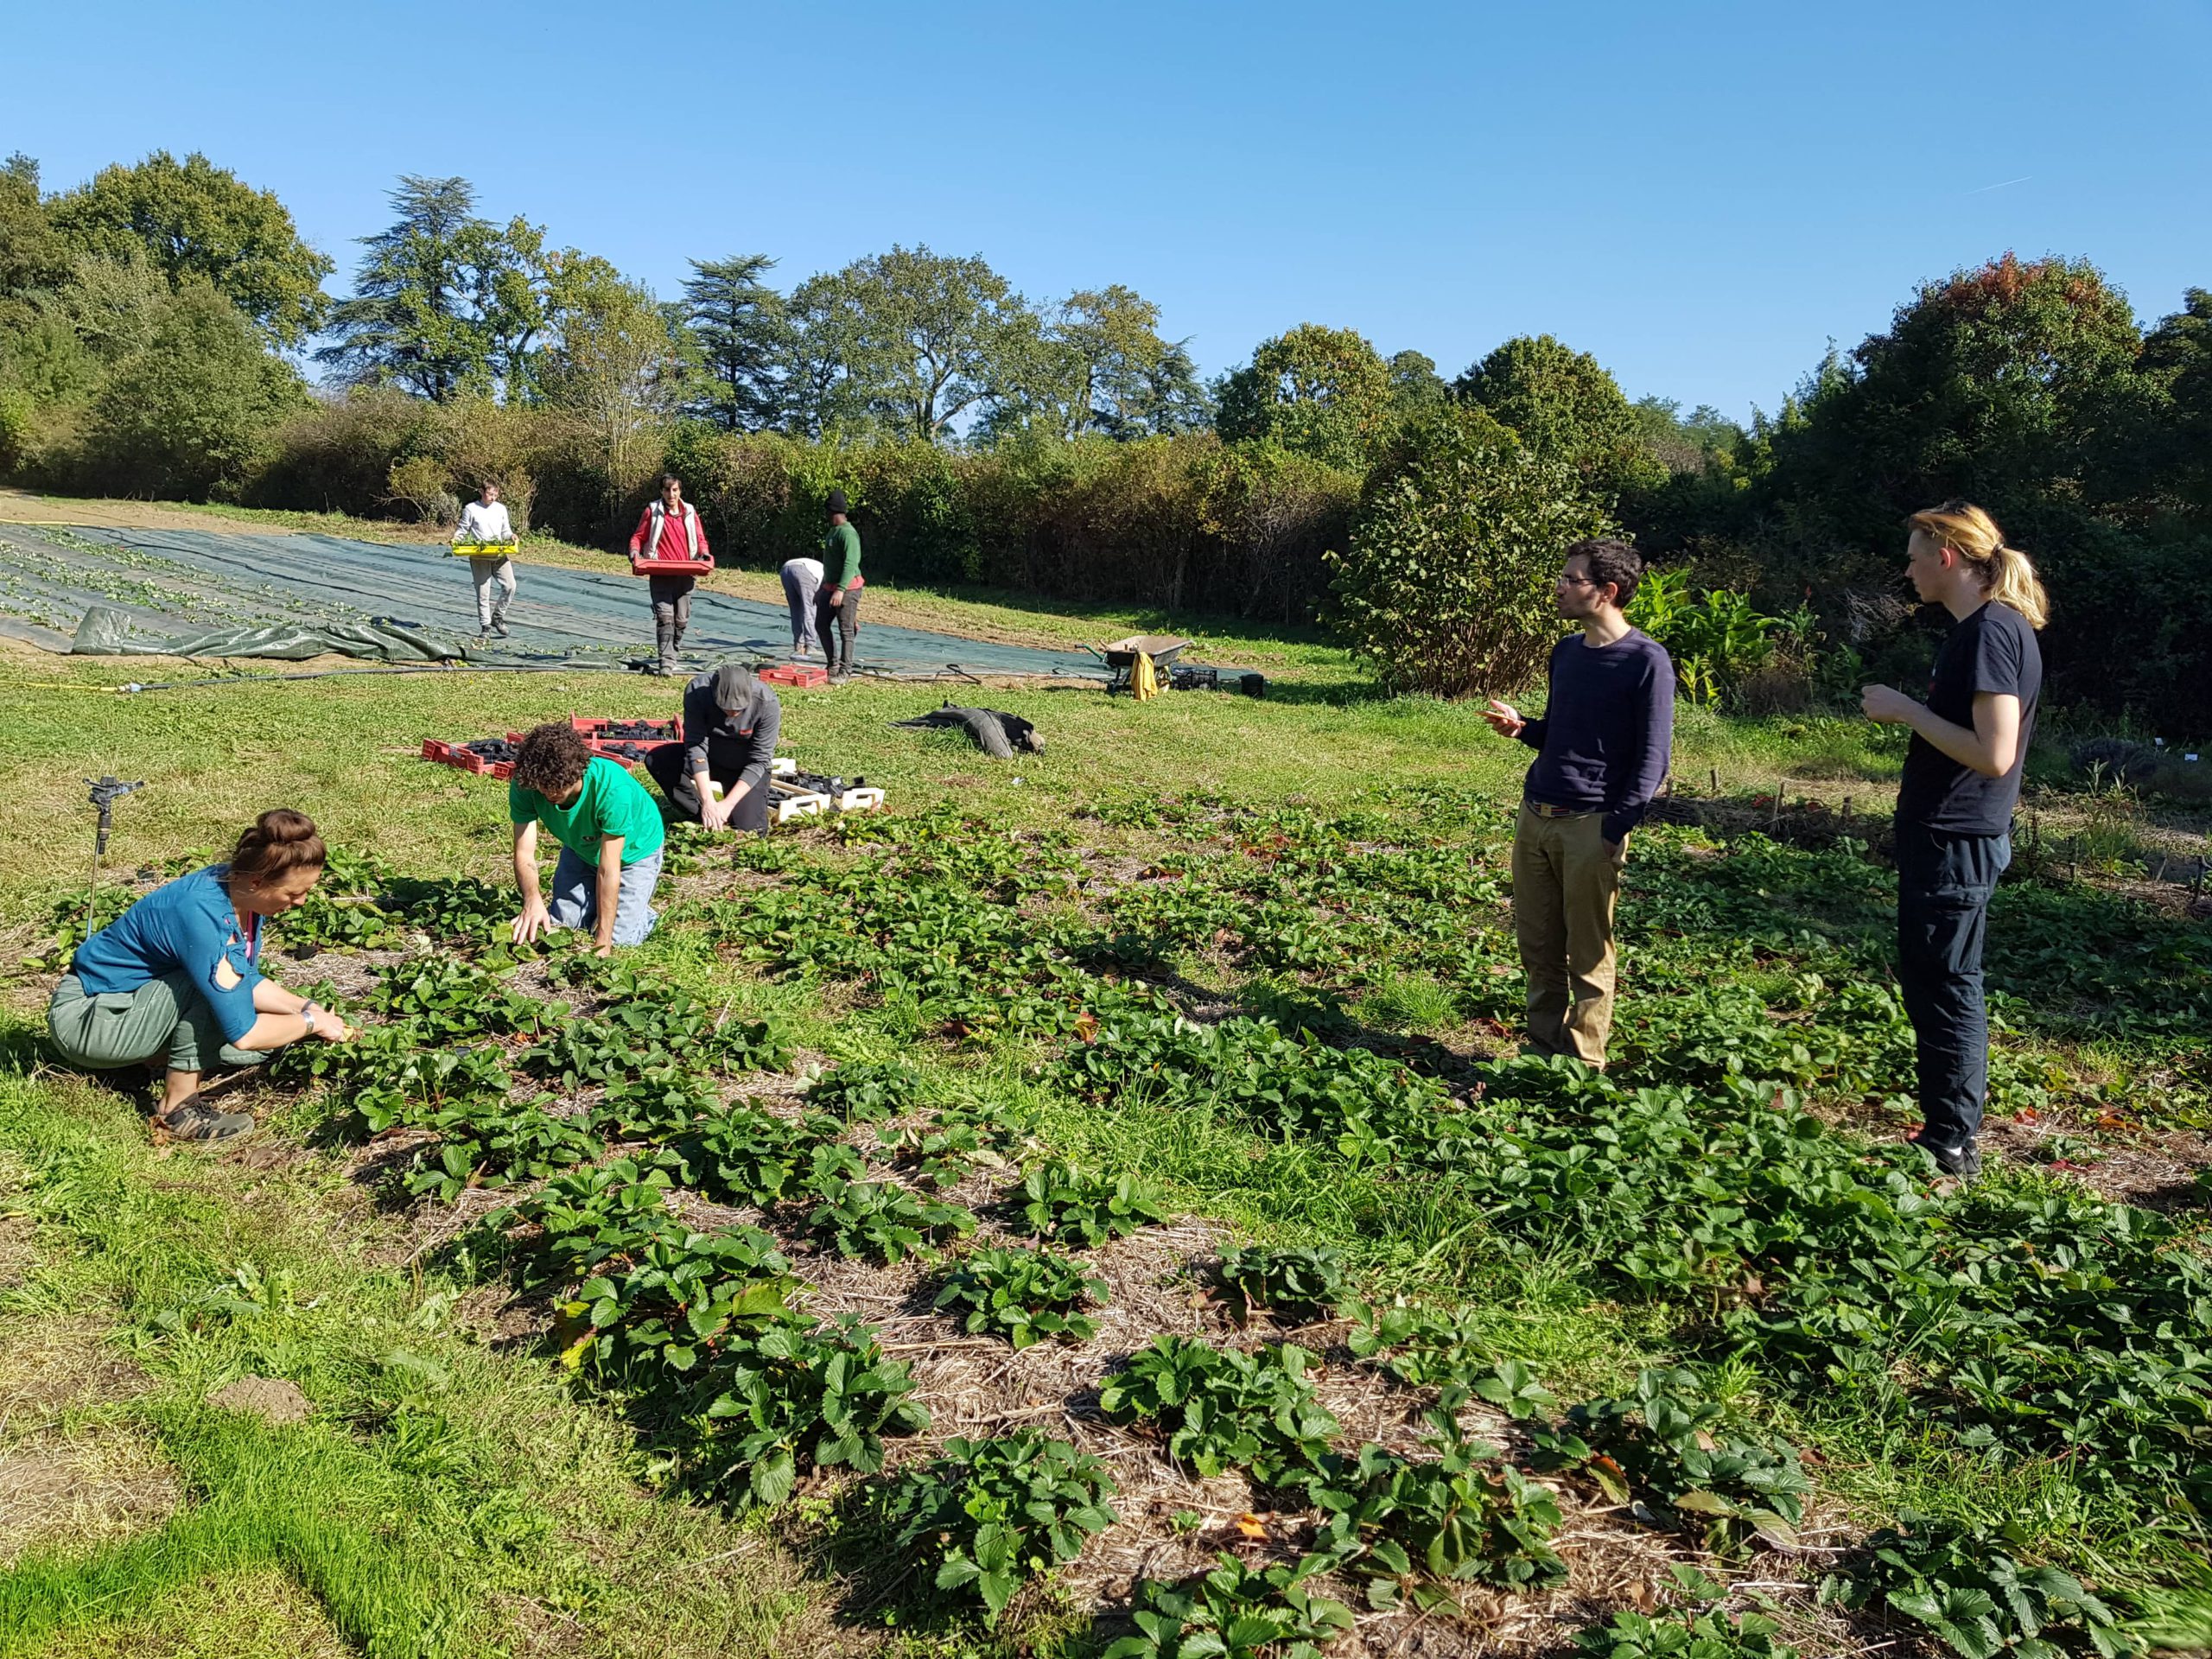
1565, 881
165, 1018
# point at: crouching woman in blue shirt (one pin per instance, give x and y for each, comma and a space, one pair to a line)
175, 976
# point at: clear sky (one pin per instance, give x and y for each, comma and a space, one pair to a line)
1702, 194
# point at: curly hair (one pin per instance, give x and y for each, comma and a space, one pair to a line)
1616, 562
551, 758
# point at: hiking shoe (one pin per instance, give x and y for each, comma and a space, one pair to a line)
189, 1120
1965, 1162
498, 630
838, 677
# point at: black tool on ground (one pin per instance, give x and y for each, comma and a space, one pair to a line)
996, 733
820, 783
107, 791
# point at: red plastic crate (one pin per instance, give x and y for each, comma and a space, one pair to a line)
451, 754
670, 567
798, 674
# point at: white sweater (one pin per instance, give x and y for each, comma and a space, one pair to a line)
481, 523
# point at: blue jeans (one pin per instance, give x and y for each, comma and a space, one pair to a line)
1943, 887
575, 901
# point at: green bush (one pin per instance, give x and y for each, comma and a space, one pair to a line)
189, 415
1447, 584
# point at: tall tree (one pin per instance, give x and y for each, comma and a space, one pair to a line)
615, 363
743, 340
1320, 391
1416, 387
198, 222
445, 303
33, 255
1564, 404
927, 337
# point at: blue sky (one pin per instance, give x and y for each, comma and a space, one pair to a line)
1701, 194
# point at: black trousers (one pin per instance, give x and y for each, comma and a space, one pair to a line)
672, 599
838, 625
1943, 887
665, 762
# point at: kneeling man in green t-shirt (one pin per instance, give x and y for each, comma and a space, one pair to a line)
610, 834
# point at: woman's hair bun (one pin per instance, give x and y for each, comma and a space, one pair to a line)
280, 842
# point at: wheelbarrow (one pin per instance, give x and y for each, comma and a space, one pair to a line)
1120, 656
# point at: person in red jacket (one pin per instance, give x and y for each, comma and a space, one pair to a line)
670, 528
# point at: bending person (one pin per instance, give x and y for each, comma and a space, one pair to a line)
731, 722
610, 834
485, 521
837, 607
175, 978
670, 528
802, 581
1955, 804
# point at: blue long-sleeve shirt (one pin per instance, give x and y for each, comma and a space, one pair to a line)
1604, 741
191, 925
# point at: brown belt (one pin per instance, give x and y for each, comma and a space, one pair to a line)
1544, 810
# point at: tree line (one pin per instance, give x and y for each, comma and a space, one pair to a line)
154, 323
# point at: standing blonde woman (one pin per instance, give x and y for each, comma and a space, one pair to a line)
1954, 805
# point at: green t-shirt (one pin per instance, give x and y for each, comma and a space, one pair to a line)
840, 556
612, 804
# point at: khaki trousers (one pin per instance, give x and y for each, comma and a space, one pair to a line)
1565, 882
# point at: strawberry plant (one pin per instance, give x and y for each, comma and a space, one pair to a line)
493, 1145
1075, 1207
868, 1091
444, 999
1223, 1409
1964, 1583
789, 1397
743, 1156
882, 1222
451, 907
659, 1102
594, 1215
1665, 1439
675, 1300
1235, 1611
1028, 1294
1415, 1528
831, 1166
1299, 1282
1710, 1634
995, 1512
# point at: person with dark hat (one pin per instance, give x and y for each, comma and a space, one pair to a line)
730, 725
837, 607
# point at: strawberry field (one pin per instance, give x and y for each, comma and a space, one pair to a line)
1117, 1221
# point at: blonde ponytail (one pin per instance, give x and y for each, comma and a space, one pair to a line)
2008, 576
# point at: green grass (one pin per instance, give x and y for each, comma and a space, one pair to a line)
443, 1497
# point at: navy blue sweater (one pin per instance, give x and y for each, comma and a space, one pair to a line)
1604, 741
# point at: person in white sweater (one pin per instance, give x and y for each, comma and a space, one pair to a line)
485, 521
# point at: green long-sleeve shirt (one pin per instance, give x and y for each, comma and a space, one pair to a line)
840, 556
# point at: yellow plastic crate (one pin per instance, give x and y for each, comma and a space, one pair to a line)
483, 549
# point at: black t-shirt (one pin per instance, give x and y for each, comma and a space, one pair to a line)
1995, 650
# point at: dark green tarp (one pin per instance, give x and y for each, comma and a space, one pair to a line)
207, 593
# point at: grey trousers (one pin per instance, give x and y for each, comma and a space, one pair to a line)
495, 588
671, 597
802, 581
165, 1018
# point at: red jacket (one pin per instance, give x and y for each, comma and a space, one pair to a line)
681, 537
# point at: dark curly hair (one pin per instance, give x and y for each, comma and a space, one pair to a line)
551, 758
1616, 562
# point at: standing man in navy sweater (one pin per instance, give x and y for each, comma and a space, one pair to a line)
1602, 749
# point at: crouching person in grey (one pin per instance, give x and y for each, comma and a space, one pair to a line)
731, 722
610, 834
